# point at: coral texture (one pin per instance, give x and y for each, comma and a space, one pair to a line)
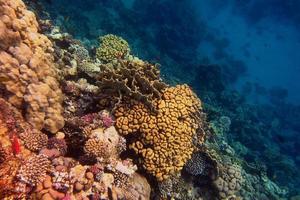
34, 140
139, 81
203, 164
34, 170
27, 72
164, 140
229, 181
112, 47
97, 148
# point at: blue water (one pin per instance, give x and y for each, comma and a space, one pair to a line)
241, 56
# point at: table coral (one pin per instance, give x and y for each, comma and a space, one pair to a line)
139, 81
112, 47
27, 70
163, 139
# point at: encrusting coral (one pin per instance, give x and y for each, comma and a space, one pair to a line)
164, 140
27, 71
112, 47
229, 181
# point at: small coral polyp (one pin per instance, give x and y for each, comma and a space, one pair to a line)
164, 140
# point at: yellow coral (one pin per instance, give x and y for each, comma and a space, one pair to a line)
164, 138
112, 47
27, 71
97, 148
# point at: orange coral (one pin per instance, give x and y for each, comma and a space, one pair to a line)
27, 72
164, 139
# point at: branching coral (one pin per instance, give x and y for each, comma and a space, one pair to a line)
139, 81
34, 140
112, 47
164, 139
26, 69
34, 170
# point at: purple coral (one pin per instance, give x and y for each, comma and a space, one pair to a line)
97, 171
106, 119
59, 144
89, 118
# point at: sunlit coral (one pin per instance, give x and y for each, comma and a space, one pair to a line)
34, 170
164, 139
112, 47
139, 81
26, 68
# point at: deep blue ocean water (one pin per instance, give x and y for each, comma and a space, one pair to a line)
240, 56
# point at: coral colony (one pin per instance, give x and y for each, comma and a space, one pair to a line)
77, 125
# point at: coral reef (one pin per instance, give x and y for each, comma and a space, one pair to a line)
140, 81
112, 47
120, 131
34, 140
27, 72
164, 140
229, 181
34, 170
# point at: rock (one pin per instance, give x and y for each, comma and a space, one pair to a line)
47, 196
56, 195
139, 187
78, 186
47, 184
60, 135
89, 175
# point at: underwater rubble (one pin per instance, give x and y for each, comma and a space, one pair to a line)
77, 124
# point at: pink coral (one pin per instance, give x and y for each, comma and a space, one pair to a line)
106, 119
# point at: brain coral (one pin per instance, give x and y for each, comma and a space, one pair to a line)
27, 72
229, 181
163, 139
112, 47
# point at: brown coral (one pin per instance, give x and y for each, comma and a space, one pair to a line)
27, 71
34, 170
139, 81
97, 148
164, 138
34, 141
229, 181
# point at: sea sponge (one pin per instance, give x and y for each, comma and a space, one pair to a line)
112, 47
139, 81
34, 170
163, 139
27, 72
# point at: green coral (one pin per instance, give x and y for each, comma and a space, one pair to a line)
112, 47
